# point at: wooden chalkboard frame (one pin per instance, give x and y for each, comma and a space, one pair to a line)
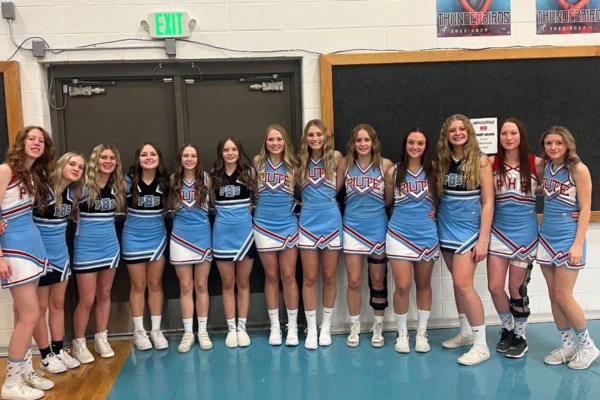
328, 61
12, 94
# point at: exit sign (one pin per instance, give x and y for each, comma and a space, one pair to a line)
171, 24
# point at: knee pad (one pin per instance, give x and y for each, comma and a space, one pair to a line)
379, 293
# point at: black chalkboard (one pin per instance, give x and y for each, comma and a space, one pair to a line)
394, 98
3, 122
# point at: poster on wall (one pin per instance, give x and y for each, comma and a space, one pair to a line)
567, 16
457, 18
486, 130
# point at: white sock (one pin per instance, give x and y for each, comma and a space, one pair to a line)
242, 324
27, 365
355, 319
156, 322
311, 319
465, 328
13, 372
202, 324
274, 317
293, 317
327, 312
508, 321
401, 322
479, 340
188, 324
566, 335
379, 319
584, 338
520, 325
423, 319
138, 323
231, 324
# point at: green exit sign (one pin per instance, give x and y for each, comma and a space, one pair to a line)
171, 24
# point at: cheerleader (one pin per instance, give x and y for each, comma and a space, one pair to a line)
144, 241
320, 176
365, 225
561, 251
233, 237
409, 188
95, 263
464, 220
190, 248
24, 181
52, 224
276, 229
514, 236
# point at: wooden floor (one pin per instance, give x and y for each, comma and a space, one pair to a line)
90, 381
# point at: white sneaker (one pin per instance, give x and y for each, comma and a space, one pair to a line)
474, 356
584, 357
377, 340
402, 344
187, 341
101, 345
36, 381
53, 364
141, 340
204, 339
311, 339
458, 341
422, 342
561, 355
292, 335
21, 391
243, 338
81, 352
325, 336
64, 356
275, 335
354, 337
232, 339
158, 340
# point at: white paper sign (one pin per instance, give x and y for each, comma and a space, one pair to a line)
486, 130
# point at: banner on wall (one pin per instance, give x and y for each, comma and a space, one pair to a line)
457, 18
567, 16
486, 130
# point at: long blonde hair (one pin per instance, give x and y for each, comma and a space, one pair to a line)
351, 154
57, 175
115, 180
470, 166
571, 157
304, 153
289, 159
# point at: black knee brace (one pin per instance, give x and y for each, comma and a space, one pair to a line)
379, 293
372, 260
523, 302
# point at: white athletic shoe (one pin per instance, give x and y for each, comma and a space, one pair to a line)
311, 339
187, 341
231, 340
325, 336
562, 355
422, 342
158, 340
204, 339
36, 381
402, 344
354, 337
21, 391
291, 338
53, 364
81, 352
584, 357
275, 335
243, 338
377, 340
474, 356
458, 341
101, 345
64, 356
141, 341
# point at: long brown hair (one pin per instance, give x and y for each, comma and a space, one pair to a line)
524, 166
351, 154
244, 168
571, 157
135, 173
179, 175
426, 162
35, 179
115, 180
305, 152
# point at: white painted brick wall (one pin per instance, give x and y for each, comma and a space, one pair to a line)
318, 25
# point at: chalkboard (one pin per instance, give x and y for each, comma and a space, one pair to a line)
395, 97
3, 121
